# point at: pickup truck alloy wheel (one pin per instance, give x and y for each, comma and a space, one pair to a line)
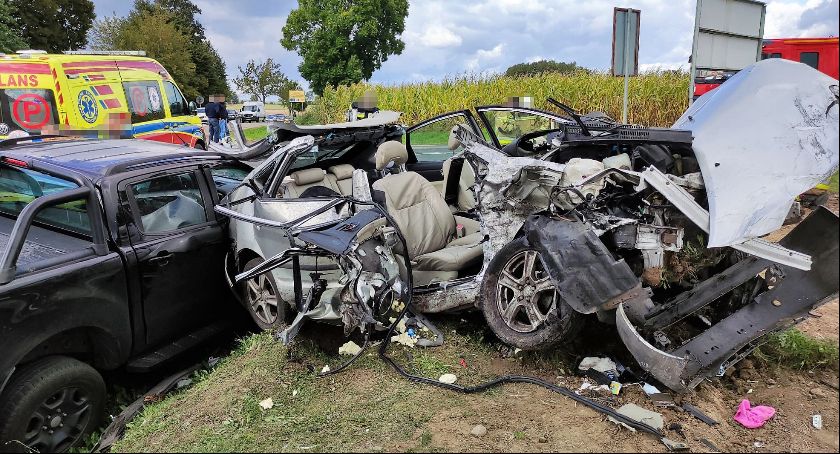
521, 303
267, 308
51, 405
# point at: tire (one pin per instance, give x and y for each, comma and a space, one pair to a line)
266, 308
525, 312
55, 394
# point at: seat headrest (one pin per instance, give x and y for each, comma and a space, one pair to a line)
342, 171
308, 176
391, 151
453, 142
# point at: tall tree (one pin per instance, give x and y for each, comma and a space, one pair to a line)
168, 46
262, 80
344, 41
10, 39
212, 77
53, 25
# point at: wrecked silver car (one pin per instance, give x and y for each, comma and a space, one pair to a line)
654, 230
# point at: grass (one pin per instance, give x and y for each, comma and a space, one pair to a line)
833, 183
796, 350
254, 134
365, 407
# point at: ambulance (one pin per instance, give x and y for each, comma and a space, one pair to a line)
94, 94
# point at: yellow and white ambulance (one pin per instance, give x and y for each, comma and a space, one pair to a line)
95, 94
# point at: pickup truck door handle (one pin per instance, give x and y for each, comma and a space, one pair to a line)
162, 258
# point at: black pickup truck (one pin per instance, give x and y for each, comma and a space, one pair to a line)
112, 256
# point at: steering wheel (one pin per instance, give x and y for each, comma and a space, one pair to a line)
525, 146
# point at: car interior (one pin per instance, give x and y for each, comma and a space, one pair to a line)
444, 239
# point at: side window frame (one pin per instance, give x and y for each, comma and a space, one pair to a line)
466, 114
167, 84
810, 54
126, 186
128, 89
483, 110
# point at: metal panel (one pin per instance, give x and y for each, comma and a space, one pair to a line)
727, 36
623, 38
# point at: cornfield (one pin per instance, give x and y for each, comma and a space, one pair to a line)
656, 98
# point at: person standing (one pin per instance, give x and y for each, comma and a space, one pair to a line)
211, 109
223, 118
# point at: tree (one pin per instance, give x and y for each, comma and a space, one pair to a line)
105, 31
53, 25
156, 34
344, 41
543, 66
10, 39
261, 80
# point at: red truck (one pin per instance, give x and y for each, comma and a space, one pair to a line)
818, 53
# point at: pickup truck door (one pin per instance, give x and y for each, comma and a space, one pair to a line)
180, 249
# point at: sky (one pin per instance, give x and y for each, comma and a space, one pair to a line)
446, 38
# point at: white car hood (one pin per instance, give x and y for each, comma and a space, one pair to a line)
762, 138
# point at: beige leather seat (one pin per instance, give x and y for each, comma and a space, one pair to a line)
465, 198
342, 176
424, 218
305, 179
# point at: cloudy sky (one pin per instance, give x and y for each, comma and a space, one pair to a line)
447, 38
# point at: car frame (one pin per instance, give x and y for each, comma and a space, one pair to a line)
555, 216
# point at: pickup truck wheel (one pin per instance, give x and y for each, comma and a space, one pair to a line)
520, 302
51, 405
263, 301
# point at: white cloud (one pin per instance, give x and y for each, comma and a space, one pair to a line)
438, 36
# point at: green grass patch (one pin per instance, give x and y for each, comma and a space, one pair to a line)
254, 134
426, 137
797, 350
833, 183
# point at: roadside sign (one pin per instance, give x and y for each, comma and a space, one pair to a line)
727, 36
297, 96
625, 46
626, 23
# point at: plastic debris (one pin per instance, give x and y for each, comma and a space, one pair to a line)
816, 421
462, 362
697, 413
294, 393
662, 400
753, 417
603, 365
404, 339
267, 404
349, 348
183, 383
650, 389
448, 378
710, 445
640, 414
325, 369
615, 388
411, 333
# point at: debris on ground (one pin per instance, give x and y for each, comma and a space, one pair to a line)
753, 417
349, 348
603, 365
325, 369
404, 339
478, 431
615, 388
650, 389
183, 383
710, 445
448, 378
640, 414
267, 404
662, 400
816, 421
697, 413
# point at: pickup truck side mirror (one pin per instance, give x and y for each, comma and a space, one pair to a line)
193, 107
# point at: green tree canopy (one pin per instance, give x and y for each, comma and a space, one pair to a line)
10, 39
344, 41
543, 66
261, 80
209, 74
53, 25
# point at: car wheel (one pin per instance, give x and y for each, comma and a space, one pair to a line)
520, 302
50, 405
263, 301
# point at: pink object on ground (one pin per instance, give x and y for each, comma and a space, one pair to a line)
755, 417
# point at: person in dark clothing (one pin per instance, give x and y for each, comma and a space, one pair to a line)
211, 109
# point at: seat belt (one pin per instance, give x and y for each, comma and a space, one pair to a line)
453, 181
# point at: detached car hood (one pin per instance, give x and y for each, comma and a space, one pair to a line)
762, 138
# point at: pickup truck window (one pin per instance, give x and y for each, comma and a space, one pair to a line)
19, 187
170, 202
